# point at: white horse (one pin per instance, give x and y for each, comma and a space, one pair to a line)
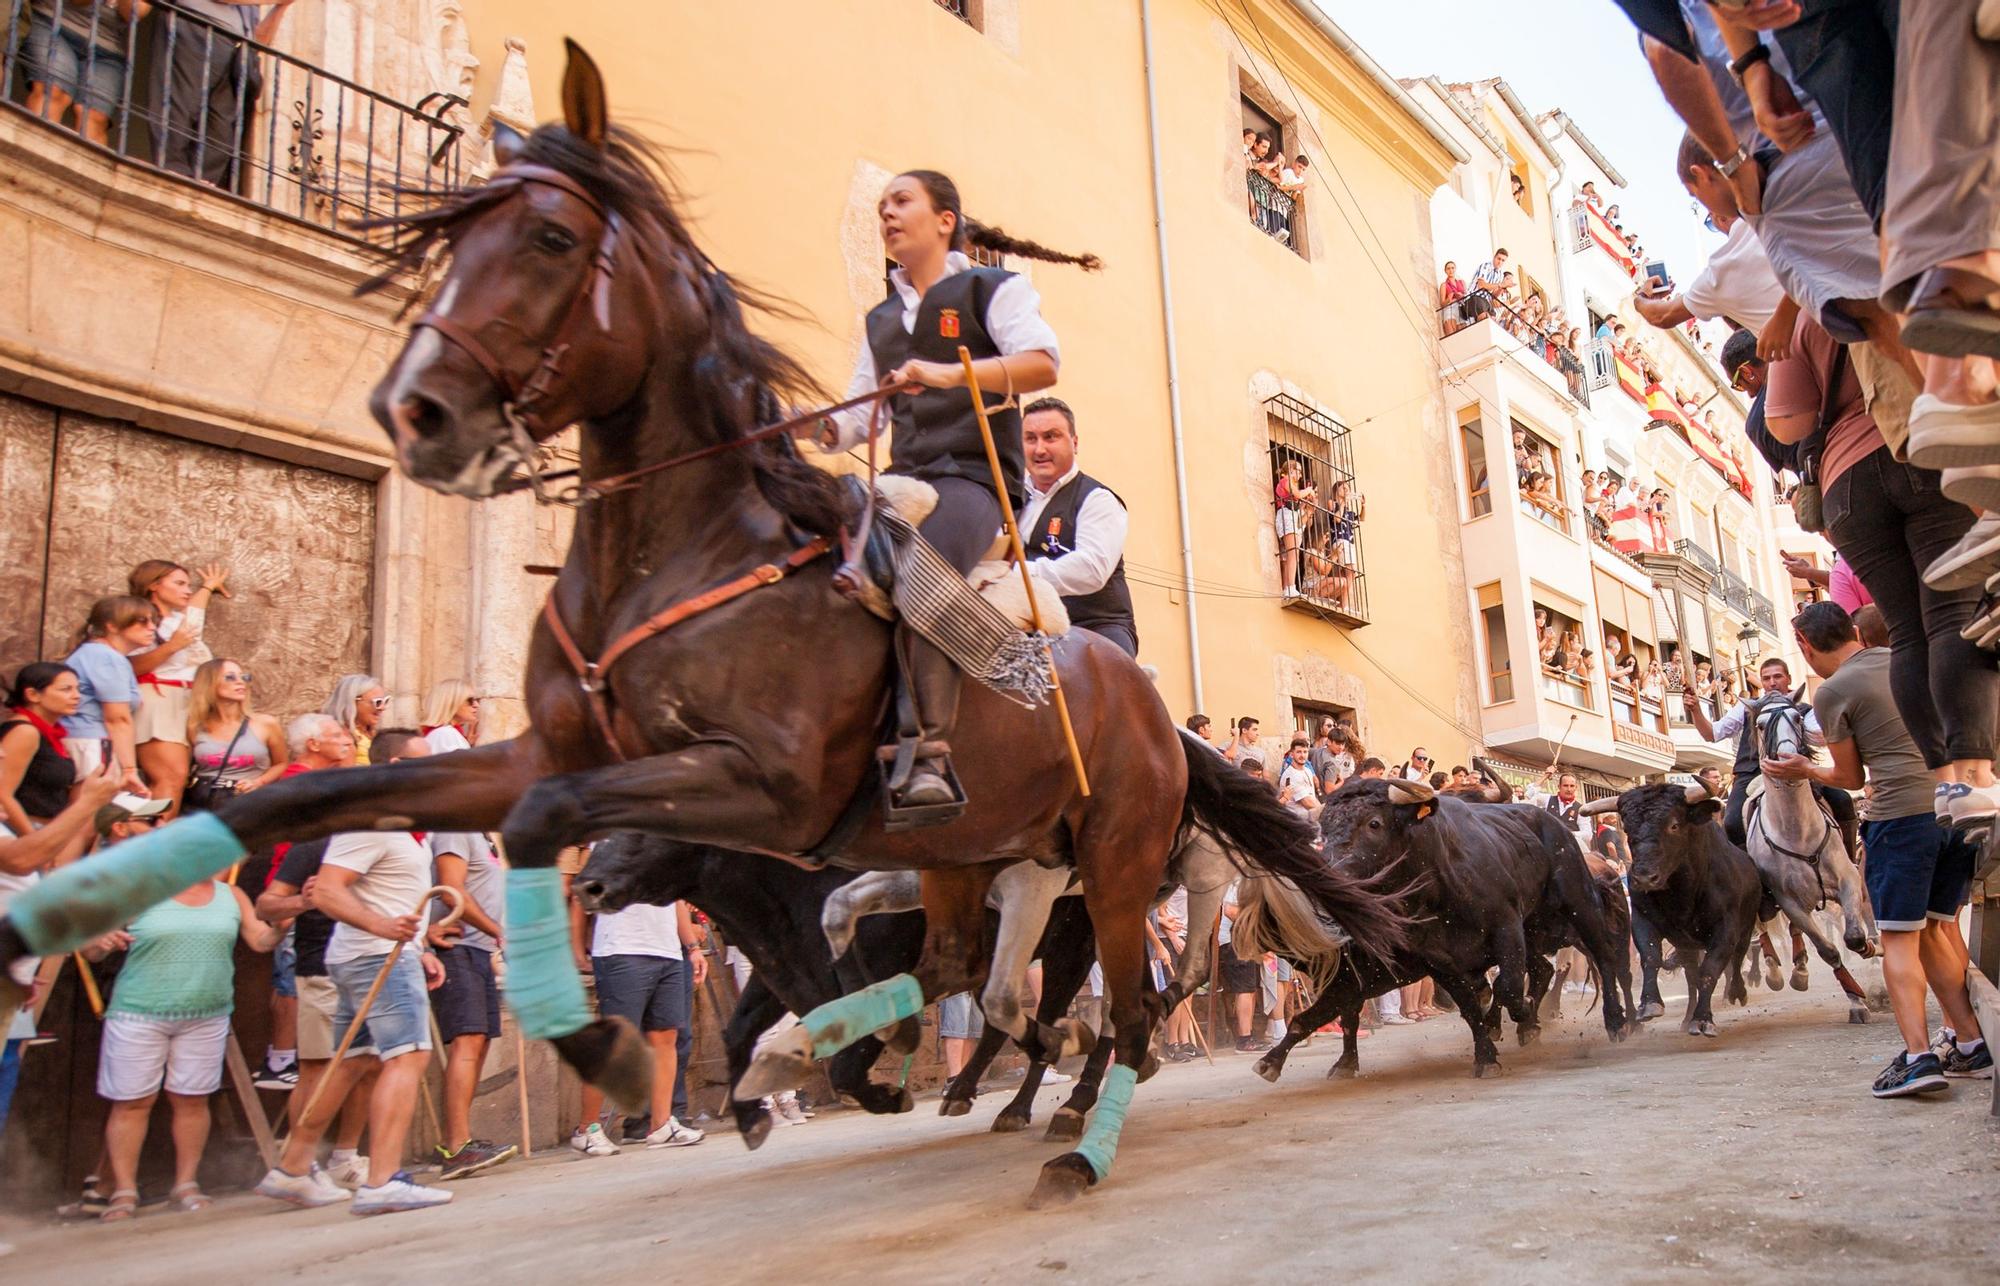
1802, 857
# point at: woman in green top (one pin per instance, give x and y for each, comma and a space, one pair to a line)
168, 1022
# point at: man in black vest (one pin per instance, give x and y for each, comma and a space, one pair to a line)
1074, 526
1740, 725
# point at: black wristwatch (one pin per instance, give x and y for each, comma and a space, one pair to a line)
1757, 53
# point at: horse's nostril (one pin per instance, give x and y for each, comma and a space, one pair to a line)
420, 416
591, 889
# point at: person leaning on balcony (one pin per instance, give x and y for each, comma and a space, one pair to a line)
81, 62
1893, 521
1453, 287
1487, 279
206, 81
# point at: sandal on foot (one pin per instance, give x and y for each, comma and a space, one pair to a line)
188, 1198
123, 1205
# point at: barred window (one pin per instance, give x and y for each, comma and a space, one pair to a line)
1321, 565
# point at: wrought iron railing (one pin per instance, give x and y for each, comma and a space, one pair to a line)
224, 110
1695, 554
1481, 305
1600, 364
960, 9
1332, 573
1271, 210
1763, 611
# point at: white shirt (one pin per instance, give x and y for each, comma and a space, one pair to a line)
23, 969
394, 869
1228, 900
1730, 724
1299, 779
182, 664
446, 738
639, 930
1094, 547
1013, 321
1737, 283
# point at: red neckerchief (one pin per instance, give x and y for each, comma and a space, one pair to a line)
425, 730
51, 732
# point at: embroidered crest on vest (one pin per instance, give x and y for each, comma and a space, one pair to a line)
948, 323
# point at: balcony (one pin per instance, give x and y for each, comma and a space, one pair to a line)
1564, 687
1513, 333
1332, 563
306, 144
1700, 557
1733, 592
1763, 611
1590, 232
1271, 211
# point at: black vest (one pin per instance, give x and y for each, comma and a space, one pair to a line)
1566, 813
1749, 757
937, 434
1054, 535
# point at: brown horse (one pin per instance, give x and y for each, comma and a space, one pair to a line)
576, 295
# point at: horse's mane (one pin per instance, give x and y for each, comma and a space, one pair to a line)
742, 379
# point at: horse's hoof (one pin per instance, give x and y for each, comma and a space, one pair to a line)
784, 1064
1077, 1038
1150, 1066
1062, 1181
1009, 1122
1650, 1010
1065, 1126
1269, 1069
757, 1131
904, 1037
1708, 1028
956, 1107
903, 1102
1774, 978
1799, 980
611, 1055
1619, 1031
1482, 1070
1857, 1014
1343, 1070
1527, 1036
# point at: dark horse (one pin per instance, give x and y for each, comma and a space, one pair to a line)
576, 295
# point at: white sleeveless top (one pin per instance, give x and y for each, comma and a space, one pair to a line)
182, 664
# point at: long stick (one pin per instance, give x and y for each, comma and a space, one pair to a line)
1020, 556
457, 901
246, 1096
521, 1083
89, 984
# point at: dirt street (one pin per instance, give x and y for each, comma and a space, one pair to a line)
1759, 1154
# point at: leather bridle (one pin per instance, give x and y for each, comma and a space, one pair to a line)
521, 396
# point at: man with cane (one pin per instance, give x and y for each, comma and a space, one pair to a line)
374, 885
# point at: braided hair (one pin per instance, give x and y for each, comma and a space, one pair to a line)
971, 232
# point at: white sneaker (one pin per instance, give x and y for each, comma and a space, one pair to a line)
400, 1193
674, 1135
787, 1110
593, 1142
1975, 557
1396, 1020
1946, 435
306, 1191
1291, 591
1976, 486
1974, 806
1050, 1076
349, 1174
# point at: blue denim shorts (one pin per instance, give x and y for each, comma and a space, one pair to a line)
646, 991
400, 1019
959, 1017
61, 59
1916, 871
285, 965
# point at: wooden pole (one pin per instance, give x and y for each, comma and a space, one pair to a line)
253, 1106
1020, 556
521, 1084
90, 990
457, 901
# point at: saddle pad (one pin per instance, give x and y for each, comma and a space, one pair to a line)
913, 499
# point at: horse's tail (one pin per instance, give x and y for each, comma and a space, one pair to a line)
1272, 915
1241, 812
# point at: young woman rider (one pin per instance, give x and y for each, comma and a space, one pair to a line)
940, 301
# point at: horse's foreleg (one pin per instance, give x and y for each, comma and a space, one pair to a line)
1067, 1123
1206, 871
1026, 893
964, 1087
1325, 1005
952, 961
756, 1010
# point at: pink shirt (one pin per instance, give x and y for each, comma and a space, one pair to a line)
1846, 589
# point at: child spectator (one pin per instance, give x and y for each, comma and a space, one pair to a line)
101, 730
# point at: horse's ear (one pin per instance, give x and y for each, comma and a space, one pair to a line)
1799, 697
507, 143
583, 97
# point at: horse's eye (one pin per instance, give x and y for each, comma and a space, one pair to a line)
555, 239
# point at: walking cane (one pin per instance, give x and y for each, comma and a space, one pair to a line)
1020, 556
457, 901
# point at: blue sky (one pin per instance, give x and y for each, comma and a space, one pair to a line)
1579, 55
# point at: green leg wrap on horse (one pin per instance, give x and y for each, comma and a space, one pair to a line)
1100, 1141
102, 893
542, 985
839, 1023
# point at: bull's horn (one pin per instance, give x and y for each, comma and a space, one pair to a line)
1697, 794
1410, 792
1608, 804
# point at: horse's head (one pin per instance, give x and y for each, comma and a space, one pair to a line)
543, 318
1781, 723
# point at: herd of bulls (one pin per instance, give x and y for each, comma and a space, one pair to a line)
1492, 889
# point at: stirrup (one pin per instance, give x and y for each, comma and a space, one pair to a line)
899, 759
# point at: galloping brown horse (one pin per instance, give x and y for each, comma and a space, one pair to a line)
576, 295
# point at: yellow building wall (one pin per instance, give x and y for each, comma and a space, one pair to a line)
787, 116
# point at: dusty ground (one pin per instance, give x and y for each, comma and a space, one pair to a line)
1668, 1158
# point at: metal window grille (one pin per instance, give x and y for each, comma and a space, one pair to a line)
1273, 212
240, 117
1332, 578
959, 9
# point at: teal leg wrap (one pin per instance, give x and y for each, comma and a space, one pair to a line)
839, 1023
1100, 1141
102, 893
542, 985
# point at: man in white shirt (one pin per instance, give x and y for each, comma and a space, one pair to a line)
372, 883
1074, 527
636, 958
1565, 804
1740, 727
1738, 283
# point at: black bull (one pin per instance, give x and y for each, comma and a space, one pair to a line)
1488, 886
